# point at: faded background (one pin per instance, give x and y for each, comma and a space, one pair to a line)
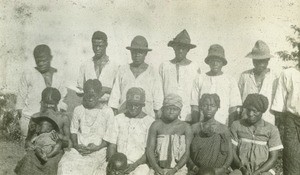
67, 27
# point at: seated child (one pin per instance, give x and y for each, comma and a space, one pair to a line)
169, 139
117, 164
44, 154
256, 142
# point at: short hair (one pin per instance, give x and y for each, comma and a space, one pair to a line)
99, 35
42, 48
95, 84
51, 95
215, 97
118, 157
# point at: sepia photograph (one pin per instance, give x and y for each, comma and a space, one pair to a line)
149, 87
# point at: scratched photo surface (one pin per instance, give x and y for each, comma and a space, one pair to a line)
67, 27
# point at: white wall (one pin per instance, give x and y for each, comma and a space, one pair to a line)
67, 27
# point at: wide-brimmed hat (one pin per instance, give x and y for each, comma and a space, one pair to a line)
260, 51
182, 39
216, 51
47, 116
139, 43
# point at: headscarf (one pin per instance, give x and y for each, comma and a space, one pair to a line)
258, 101
173, 99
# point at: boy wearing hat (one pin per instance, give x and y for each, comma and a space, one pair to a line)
215, 81
45, 153
99, 66
50, 100
178, 74
88, 126
256, 142
137, 74
169, 140
260, 79
33, 82
286, 103
128, 133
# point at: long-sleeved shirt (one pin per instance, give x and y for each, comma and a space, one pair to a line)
148, 80
32, 84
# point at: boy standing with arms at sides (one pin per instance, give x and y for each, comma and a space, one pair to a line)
169, 140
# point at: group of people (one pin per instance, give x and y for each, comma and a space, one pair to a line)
135, 120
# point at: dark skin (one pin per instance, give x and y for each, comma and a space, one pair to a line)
254, 118
169, 124
215, 65
133, 110
260, 69
91, 100
209, 108
180, 55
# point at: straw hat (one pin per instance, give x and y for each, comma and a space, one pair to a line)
139, 43
216, 51
47, 116
182, 39
260, 51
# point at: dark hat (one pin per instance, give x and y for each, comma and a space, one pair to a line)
99, 35
139, 43
136, 95
216, 51
42, 48
182, 39
260, 51
47, 116
51, 95
258, 101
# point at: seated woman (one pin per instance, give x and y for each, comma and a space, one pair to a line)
43, 156
211, 146
88, 126
256, 142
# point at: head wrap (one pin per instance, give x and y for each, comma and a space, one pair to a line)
39, 49
51, 95
173, 99
135, 95
95, 84
257, 101
100, 36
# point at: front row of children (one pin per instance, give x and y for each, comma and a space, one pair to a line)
134, 143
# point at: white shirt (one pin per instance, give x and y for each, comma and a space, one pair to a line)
180, 84
223, 85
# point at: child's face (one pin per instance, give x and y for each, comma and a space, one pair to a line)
253, 115
134, 109
209, 108
43, 62
90, 98
45, 127
170, 113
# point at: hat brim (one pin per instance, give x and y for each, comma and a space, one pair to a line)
218, 57
174, 43
259, 57
45, 118
138, 48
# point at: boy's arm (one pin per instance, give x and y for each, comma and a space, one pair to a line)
74, 140
151, 143
268, 164
67, 133
56, 149
111, 150
185, 157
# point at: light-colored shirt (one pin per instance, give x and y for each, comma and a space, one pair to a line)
32, 84
179, 82
223, 85
90, 125
149, 80
106, 77
248, 85
287, 97
130, 135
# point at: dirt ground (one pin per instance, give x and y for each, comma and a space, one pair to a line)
10, 153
